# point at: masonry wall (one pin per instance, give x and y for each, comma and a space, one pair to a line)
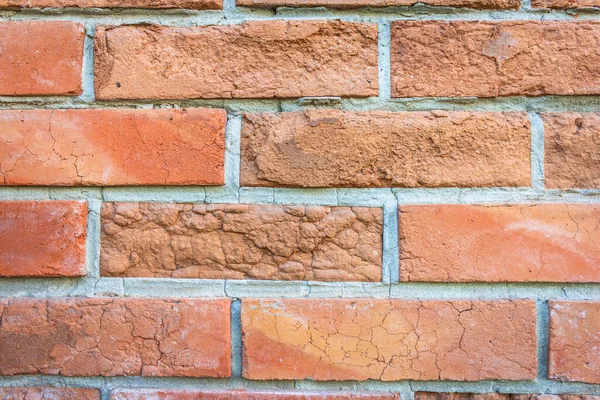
294, 199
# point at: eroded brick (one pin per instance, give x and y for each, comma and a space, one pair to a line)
495, 243
150, 394
334, 148
40, 58
489, 58
42, 238
48, 393
107, 147
574, 341
111, 337
482, 4
388, 339
241, 241
260, 59
500, 396
190, 4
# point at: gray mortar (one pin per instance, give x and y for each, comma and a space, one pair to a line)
389, 199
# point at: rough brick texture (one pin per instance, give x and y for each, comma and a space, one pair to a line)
241, 241
48, 393
488, 59
485, 4
42, 238
492, 243
388, 339
261, 59
112, 147
110, 337
572, 153
499, 396
574, 341
40, 58
565, 3
332, 148
191, 4
149, 394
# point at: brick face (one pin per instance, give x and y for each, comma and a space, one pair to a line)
241, 242
565, 3
574, 341
261, 59
572, 154
191, 4
112, 337
494, 243
332, 148
48, 393
149, 394
483, 4
499, 396
388, 339
108, 147
42, 238
40, 58
489, 59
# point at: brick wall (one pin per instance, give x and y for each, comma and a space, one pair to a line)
300, 199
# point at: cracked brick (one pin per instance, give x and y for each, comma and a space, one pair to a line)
489, 58
241, 241
334, 148
572, 150
40, 58
189, 4
574, 343
114, 337
259, 59
500, 396
166, 394
499, 243
107, 147
389, 340
42, 238
48, 393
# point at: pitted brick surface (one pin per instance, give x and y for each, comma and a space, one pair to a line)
48, 393
111, 337
500, 396
241, 241
483, 4
260, 59
333, 148
191, 4
149, 394
389, 339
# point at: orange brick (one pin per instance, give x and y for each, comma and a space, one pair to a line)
482, 4
565, 3
106, 147
494, 243
40, 58
50, 393
113, 337
389, 339
191, 4
42, 238
152, 394
574, 341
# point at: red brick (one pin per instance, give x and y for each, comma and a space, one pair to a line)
112, 337
48, 393
334, 148
42, 238
152, 394
495, 243
565, 3
490, 58
241, 241
40, 58
572, 154
574, 346
191, 4
389, 339
106, 147
483, 4
261, 59
500, 396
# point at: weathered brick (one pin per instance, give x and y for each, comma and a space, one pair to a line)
261, 59
42, 238
112, 147
334, 148
488, 58
494, 243
572, 154
241, 241
41, 58
574, 341
48, 393
152, 394
191, 4
388, 339
482, 4
500, 396
111, 337
565, 3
